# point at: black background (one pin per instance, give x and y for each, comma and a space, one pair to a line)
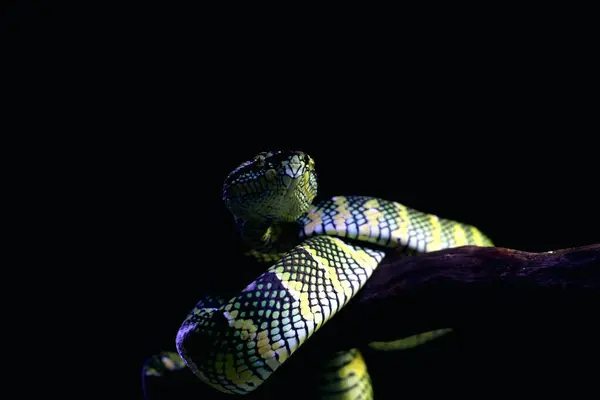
162, 102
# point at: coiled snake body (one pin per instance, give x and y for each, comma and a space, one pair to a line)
234, 344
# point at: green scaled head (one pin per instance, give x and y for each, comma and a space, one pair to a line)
273, 186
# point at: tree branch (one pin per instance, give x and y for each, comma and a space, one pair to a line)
467, 286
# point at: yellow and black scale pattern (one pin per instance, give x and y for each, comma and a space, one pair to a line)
387, 223
272, 317
345, 376
236, 345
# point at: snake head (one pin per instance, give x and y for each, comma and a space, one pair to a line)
273, 186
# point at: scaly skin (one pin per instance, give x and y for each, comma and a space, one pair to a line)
236, 345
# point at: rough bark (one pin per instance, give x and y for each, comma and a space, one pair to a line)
467, 286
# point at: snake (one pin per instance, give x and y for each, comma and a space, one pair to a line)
317, 256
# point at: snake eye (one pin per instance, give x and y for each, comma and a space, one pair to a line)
270, 174
260, 160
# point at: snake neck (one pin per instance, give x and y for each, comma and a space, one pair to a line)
266, 240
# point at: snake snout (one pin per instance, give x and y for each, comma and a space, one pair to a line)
292, 171
296, 165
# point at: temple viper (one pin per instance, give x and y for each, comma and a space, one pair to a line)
321, 255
